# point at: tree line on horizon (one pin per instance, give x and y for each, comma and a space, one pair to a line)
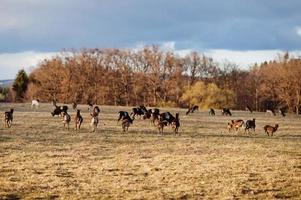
153, 77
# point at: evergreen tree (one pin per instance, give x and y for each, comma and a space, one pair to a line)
20, 84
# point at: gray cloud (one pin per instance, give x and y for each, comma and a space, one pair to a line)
209, 24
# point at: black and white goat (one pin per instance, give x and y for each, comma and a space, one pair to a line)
122, 115
166, 116
59, 110
226, 111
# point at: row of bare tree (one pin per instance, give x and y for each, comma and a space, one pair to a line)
154, 77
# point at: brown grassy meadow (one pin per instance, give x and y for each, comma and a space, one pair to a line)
41, 160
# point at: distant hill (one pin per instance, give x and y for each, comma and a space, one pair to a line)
4, 83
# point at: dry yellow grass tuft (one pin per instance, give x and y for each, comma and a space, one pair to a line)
39, 159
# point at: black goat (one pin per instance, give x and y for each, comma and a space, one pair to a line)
8, 118
250, 124
138, 111
57, 111
226, 111
192, 109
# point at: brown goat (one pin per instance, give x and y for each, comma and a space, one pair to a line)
160, 125
78, 120
268, 129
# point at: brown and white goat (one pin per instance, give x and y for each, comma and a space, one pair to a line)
126, 122
268, 129
176, 124
94, 118
66, 119
235, 124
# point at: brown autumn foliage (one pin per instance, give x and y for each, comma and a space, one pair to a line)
153, 77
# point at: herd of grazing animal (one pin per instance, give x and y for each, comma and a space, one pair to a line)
159, 120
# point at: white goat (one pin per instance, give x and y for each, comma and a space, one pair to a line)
35, 104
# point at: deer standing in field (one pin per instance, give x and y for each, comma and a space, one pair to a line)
192, 109
211, 112
226, 111
94, 118
35, 104
250, 124
8, 118
176, 124
78, 120
235, 124
268, 129
126, 124
66, 119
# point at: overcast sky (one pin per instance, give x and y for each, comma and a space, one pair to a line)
241, 31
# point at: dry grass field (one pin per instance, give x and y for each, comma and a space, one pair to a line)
41, 160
